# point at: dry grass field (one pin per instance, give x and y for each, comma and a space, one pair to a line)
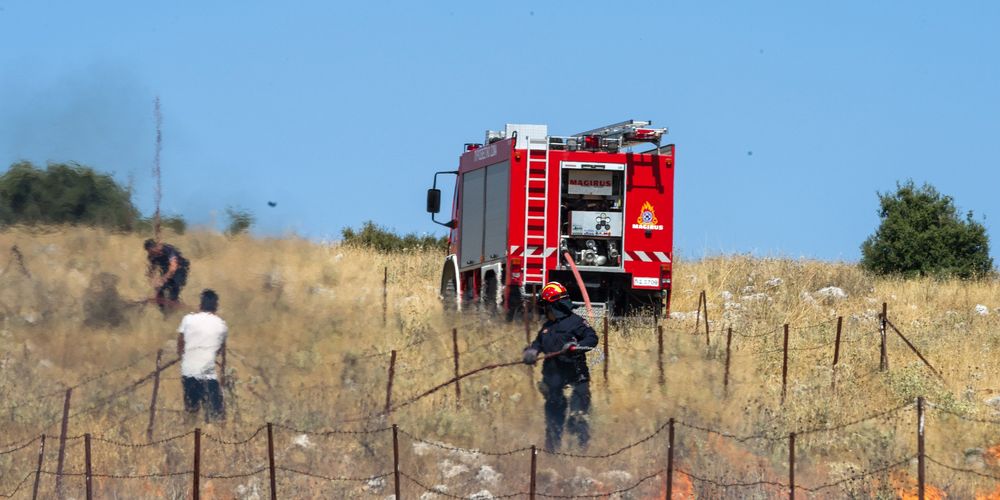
309, 352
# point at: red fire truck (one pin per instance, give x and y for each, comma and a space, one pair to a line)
526, 203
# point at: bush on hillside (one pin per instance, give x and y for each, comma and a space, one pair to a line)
922, 234
64, 193
384, 240
69, 193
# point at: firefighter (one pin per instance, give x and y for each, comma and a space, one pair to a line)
173, 271
564, 340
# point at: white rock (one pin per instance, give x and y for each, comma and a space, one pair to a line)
618, 477
450, 469
376, 484
303, 441
726, 295
832, 292
420, 448
774, 282
756, 297
431, 495
488, 475
982, 310
481, 495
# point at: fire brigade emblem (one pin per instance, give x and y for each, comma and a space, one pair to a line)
647, 218
647, 215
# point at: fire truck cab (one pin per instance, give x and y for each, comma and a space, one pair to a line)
528, 206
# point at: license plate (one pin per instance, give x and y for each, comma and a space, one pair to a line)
645, 281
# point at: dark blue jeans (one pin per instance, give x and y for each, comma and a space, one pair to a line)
207, 391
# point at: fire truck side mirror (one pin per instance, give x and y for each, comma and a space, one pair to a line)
433, 200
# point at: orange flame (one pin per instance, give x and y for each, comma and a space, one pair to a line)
906, 487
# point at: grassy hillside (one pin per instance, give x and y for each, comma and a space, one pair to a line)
308, 350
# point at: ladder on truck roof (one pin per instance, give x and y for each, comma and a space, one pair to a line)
628, 132
536, 208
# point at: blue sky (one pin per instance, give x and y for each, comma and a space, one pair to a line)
788, 118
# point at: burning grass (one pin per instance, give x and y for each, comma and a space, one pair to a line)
308, 350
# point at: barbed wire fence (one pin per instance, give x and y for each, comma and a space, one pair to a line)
196, 474
673, 460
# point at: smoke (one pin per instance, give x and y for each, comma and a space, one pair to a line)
97, 115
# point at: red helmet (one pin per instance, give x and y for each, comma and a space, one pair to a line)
552, 292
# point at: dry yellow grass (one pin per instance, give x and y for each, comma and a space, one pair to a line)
308, 349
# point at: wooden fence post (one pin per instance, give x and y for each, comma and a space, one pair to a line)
38, 470
729, 342
791, 466
534, 469
784, 367
670, 460
196, 492
395, 459
388, 386
659, 353
62, 444
836, 352
458, 386
883, 360
270, 461
921, 478
88, 472
152, 403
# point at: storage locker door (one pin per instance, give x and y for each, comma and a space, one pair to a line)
473, 204
497, 202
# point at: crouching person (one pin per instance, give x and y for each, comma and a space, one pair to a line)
564, 340
200, 338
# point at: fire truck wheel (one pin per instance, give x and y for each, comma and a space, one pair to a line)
490, 290
449, 289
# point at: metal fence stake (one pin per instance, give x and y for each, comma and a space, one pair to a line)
38, 470
534, 470
836, 352
62, 444
270, 461
152, 403
196, 491
385, 295
729, 343
458, 386
388, 386
791, 466
921, 477
607, 359
784, 367
88, 467
659, 353
670, 460
883, 360
395, 459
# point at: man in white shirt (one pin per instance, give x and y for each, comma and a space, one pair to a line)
200, 337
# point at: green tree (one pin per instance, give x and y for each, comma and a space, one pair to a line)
64, 193
240, 221
381, 239
922, 234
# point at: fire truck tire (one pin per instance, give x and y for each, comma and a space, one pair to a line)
449, 288
491, 287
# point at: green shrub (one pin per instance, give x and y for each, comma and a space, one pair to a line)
921, 234
240, 221
64, 193
384, 240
